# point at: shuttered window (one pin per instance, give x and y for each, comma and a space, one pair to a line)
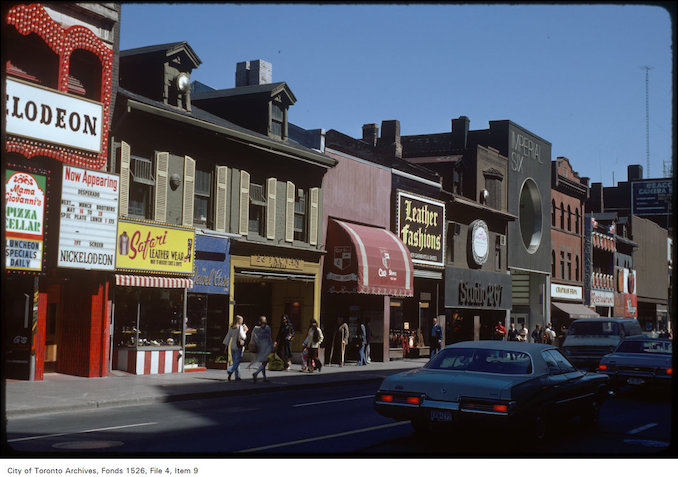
189, 191
289, 213
124, 178
271, 185
221, 196
313, 216
161, 182
244, 202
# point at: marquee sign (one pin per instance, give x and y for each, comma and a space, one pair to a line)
44, 135
420, 223
25, 205
89, 219
212, 265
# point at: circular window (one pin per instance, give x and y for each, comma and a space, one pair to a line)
530, 215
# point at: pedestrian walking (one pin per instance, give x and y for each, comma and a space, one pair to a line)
549, 334
234, 343
312, 343
283, 342
522, 334
368, 339
263, 341
499, 331
436, 337
537, 334
362, 344
341, 339
513, 333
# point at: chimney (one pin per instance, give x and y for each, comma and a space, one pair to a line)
634, 172
390, 138
256, 72
596, 203
460, 132
370, 134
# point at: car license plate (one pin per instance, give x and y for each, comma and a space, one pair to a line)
441, 415
635, 381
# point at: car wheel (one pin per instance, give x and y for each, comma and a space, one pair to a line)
540, 427
590, 417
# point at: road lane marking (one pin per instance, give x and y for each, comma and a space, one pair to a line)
642, 428
320, 438
333, 400
80, 432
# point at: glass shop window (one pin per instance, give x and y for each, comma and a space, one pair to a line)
148, 316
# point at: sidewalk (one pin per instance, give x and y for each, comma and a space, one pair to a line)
61, 392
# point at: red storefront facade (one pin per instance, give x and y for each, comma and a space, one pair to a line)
59, 83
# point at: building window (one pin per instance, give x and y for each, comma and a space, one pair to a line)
562, 264
497, 253
493, 180
569, 266
277, 119
553, 213
553, 263
453, 229
257, 217
562, 216
576, 221
576, 268
456, 180
569, 218
141, 187
300, 215
202, 197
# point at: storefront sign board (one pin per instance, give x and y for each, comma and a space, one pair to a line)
566, 292
154, 248
277, 263
25, 196
420, 223
42, 114
89, 219
477, 289
652, 197
212, 265
600, 298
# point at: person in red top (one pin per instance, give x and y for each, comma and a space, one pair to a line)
499, 332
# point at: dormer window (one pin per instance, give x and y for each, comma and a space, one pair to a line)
278, 126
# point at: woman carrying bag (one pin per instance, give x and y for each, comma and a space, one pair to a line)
283, 342
261, 336
234, 342
313, 340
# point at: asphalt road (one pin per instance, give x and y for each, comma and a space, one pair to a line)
322, 422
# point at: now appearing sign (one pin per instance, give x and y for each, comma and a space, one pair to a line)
89, 219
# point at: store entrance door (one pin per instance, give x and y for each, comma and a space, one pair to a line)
52, 328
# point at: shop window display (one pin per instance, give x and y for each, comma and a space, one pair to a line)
148, 317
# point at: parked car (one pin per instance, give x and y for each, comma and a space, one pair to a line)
639, 361
589, 339
526, 386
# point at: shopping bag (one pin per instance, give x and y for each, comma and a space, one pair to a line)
275, 362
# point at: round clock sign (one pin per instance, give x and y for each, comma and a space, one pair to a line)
480, 241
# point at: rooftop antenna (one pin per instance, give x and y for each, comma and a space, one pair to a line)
647, 117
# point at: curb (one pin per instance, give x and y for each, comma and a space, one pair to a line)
187, 396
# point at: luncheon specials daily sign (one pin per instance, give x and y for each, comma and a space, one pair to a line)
89, 219
24, 220
46, 115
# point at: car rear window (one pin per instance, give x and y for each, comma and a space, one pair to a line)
482, 360
660, 347
604, 328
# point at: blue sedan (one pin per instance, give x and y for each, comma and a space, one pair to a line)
506, 383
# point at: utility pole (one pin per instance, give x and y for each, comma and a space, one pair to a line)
647, 117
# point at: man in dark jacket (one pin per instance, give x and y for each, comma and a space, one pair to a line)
436, 337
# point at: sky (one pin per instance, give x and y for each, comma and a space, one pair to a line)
573, 75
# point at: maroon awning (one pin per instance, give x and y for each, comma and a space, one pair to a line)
365, 259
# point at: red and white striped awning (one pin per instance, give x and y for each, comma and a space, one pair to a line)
152, 282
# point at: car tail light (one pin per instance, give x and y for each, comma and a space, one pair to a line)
413, 400
669, 371
485, 407
386, 397
602, 367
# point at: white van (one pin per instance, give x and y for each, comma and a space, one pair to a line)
589, 339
